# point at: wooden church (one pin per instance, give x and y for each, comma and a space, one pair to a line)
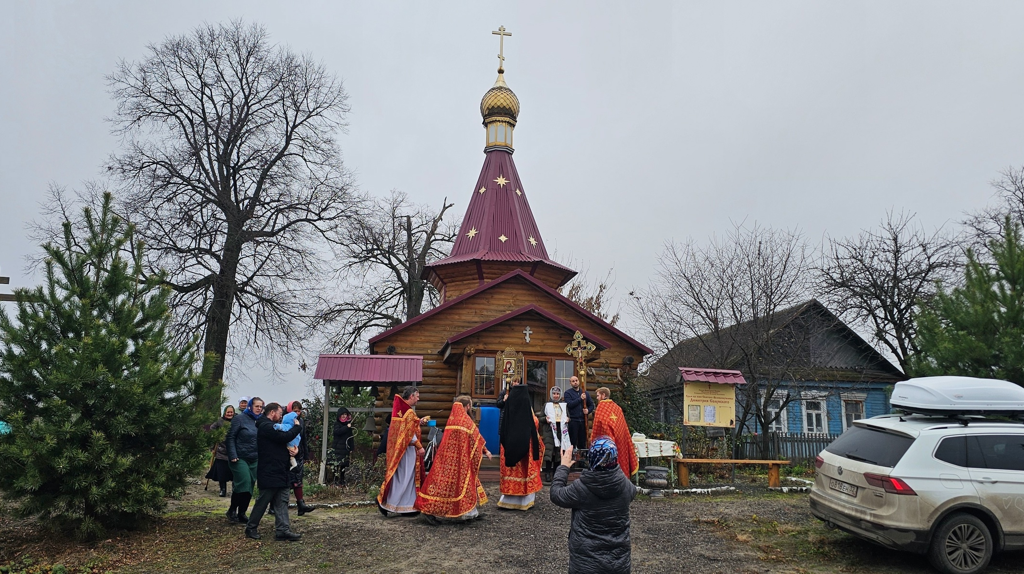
501, 314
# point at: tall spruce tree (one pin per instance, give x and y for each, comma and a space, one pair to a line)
977, 329
106, 415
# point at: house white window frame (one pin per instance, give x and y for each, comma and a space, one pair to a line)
783, 420
853, 397
820, 396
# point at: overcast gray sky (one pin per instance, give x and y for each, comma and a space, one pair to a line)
640, 122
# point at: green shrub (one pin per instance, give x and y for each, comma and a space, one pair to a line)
105, 410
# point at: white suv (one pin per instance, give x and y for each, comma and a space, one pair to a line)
949, 483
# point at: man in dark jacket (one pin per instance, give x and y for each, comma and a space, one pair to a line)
599, 531
272, 473
579, 404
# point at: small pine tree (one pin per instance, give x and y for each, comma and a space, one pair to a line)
976, 330
105, 412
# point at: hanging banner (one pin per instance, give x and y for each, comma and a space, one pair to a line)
709, 404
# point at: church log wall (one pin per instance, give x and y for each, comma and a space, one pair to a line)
440, 380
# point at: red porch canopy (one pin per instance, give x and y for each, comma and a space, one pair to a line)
721, 376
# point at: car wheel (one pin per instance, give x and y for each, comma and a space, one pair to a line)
962, 544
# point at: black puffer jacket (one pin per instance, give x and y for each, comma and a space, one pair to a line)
599, 534
241, 439
272, 472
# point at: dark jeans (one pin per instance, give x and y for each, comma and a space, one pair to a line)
277, 498
578, 433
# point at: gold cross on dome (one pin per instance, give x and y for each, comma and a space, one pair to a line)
501, 33
501, 181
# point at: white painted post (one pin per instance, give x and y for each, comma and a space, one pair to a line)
323, 437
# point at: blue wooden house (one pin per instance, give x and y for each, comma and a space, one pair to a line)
808, 373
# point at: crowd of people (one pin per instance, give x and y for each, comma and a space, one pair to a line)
265, 446
452, 492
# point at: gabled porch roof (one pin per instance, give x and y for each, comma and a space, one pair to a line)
517, 273
601, 344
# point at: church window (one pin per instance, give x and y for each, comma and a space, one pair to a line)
483, 377
563, 371
537, 373
501, 133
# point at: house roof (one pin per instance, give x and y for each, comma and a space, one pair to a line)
600, 343
370, 368
721, 376
725, 349
498, 224
516, 274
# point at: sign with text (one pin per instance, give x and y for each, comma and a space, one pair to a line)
709, 404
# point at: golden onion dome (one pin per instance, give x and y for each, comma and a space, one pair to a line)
500, 102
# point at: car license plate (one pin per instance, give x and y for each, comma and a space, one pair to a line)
843, 487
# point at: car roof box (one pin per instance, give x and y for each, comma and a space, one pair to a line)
954, 396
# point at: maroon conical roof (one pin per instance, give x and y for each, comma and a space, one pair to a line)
498, 225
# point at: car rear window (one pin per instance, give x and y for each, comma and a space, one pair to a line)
871, 445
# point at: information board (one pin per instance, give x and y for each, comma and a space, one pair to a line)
709, 404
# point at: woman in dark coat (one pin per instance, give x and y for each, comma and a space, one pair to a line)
343, 444
219, 470
599, 531
242, 458
295, 475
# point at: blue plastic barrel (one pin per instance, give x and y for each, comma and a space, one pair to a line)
489, 427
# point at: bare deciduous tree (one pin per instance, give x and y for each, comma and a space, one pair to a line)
231, 173
988, 224
596, 298
879, 279
385, 254
721, 305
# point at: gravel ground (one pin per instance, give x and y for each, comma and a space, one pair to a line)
750, 530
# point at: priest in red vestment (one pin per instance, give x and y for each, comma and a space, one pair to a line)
404, 457
452, 489
521, 452
609, 421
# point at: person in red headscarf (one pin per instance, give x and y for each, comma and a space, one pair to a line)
609, 421
452, 489
404, 457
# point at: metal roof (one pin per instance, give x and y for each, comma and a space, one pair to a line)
499, 225
370, 368
721, 376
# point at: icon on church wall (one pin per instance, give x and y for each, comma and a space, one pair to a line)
509, 369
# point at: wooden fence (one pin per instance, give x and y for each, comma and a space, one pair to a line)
795, 447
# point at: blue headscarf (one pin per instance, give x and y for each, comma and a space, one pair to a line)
248, 408
603, 454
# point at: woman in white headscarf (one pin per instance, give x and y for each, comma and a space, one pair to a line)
556, 430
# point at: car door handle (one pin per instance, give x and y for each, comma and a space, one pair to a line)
987, 480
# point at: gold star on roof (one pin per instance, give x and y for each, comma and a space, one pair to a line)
502, 238
518, 192
483, 189
501, 180
532, 241
472, 233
